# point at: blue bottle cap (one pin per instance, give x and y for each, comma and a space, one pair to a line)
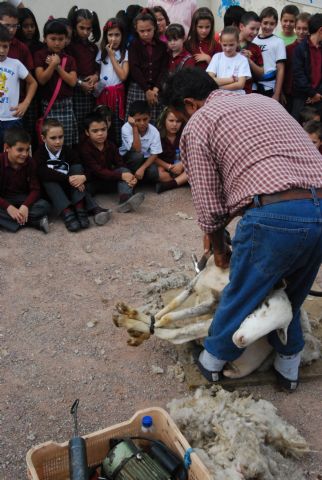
147, 421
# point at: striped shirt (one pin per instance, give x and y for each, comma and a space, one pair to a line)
237, 146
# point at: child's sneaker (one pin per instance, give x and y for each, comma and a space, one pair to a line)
131, 203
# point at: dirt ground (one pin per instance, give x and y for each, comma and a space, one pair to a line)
58, 342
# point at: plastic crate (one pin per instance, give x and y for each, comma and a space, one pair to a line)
49, 461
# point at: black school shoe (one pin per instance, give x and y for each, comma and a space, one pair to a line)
288, 385
101, 215
41, 224
82, 217
71, 222
131, 203
212, 377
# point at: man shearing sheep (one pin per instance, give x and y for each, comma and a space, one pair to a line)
245, 155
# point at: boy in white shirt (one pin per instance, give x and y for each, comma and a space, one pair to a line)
229, 68
274, 55
141, 142
11, 72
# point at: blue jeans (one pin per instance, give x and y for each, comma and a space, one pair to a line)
273, 242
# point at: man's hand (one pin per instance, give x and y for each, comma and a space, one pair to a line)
216, 242
139, 174
222, 260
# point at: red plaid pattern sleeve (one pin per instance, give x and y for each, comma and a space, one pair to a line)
237, 146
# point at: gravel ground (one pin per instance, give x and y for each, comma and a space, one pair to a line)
58, 342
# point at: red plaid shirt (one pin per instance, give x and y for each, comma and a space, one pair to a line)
237, 146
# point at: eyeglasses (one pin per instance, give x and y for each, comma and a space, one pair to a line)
15, 26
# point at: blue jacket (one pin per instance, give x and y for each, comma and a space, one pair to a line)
302, 84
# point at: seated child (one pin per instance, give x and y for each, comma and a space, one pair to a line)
104, 167
141, 143
229, 68
248, 30
171, 171
179, 56
314, 130
309, 113
62, 176
20, 202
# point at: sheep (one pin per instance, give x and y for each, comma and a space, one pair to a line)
238, 437
191, 323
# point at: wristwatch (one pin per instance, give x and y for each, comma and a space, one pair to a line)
79, 82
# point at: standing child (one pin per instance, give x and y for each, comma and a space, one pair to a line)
307, 76
48, 64
248, 29
201, 43
162, 21
274, 56
141, 143
171, 171
114, 70
288, 18
12, 71
28, 32
86, 33
20, 202
148, 61
179, 57
229, 68
302, 31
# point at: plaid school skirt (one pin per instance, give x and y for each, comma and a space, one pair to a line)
83, 104
63, 112
134, 93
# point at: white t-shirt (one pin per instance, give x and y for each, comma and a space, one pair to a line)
150, 141
273, 51
11, 72
108, 74
224, 67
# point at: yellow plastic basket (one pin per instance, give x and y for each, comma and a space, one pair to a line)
49, 461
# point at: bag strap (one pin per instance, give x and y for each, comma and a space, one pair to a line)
56, 91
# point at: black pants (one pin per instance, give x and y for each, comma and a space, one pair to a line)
63, 195
36, 211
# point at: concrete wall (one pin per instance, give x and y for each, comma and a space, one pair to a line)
108, 8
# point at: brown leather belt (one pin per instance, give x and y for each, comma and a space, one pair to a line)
295, 194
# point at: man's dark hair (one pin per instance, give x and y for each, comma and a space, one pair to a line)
55, 27
139, 106
233, 15
4, 34
8, 10
249, 17
312, 126
269, 12
91, 118
14, 135
315, 23
189, 82
291, 10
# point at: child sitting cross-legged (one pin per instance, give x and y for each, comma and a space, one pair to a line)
141, 142
63, 179
20, 202
103, 164
171, 171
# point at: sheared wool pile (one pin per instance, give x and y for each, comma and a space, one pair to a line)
239, 438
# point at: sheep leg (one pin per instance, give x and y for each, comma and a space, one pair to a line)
129, 312
201, 309
179, 299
